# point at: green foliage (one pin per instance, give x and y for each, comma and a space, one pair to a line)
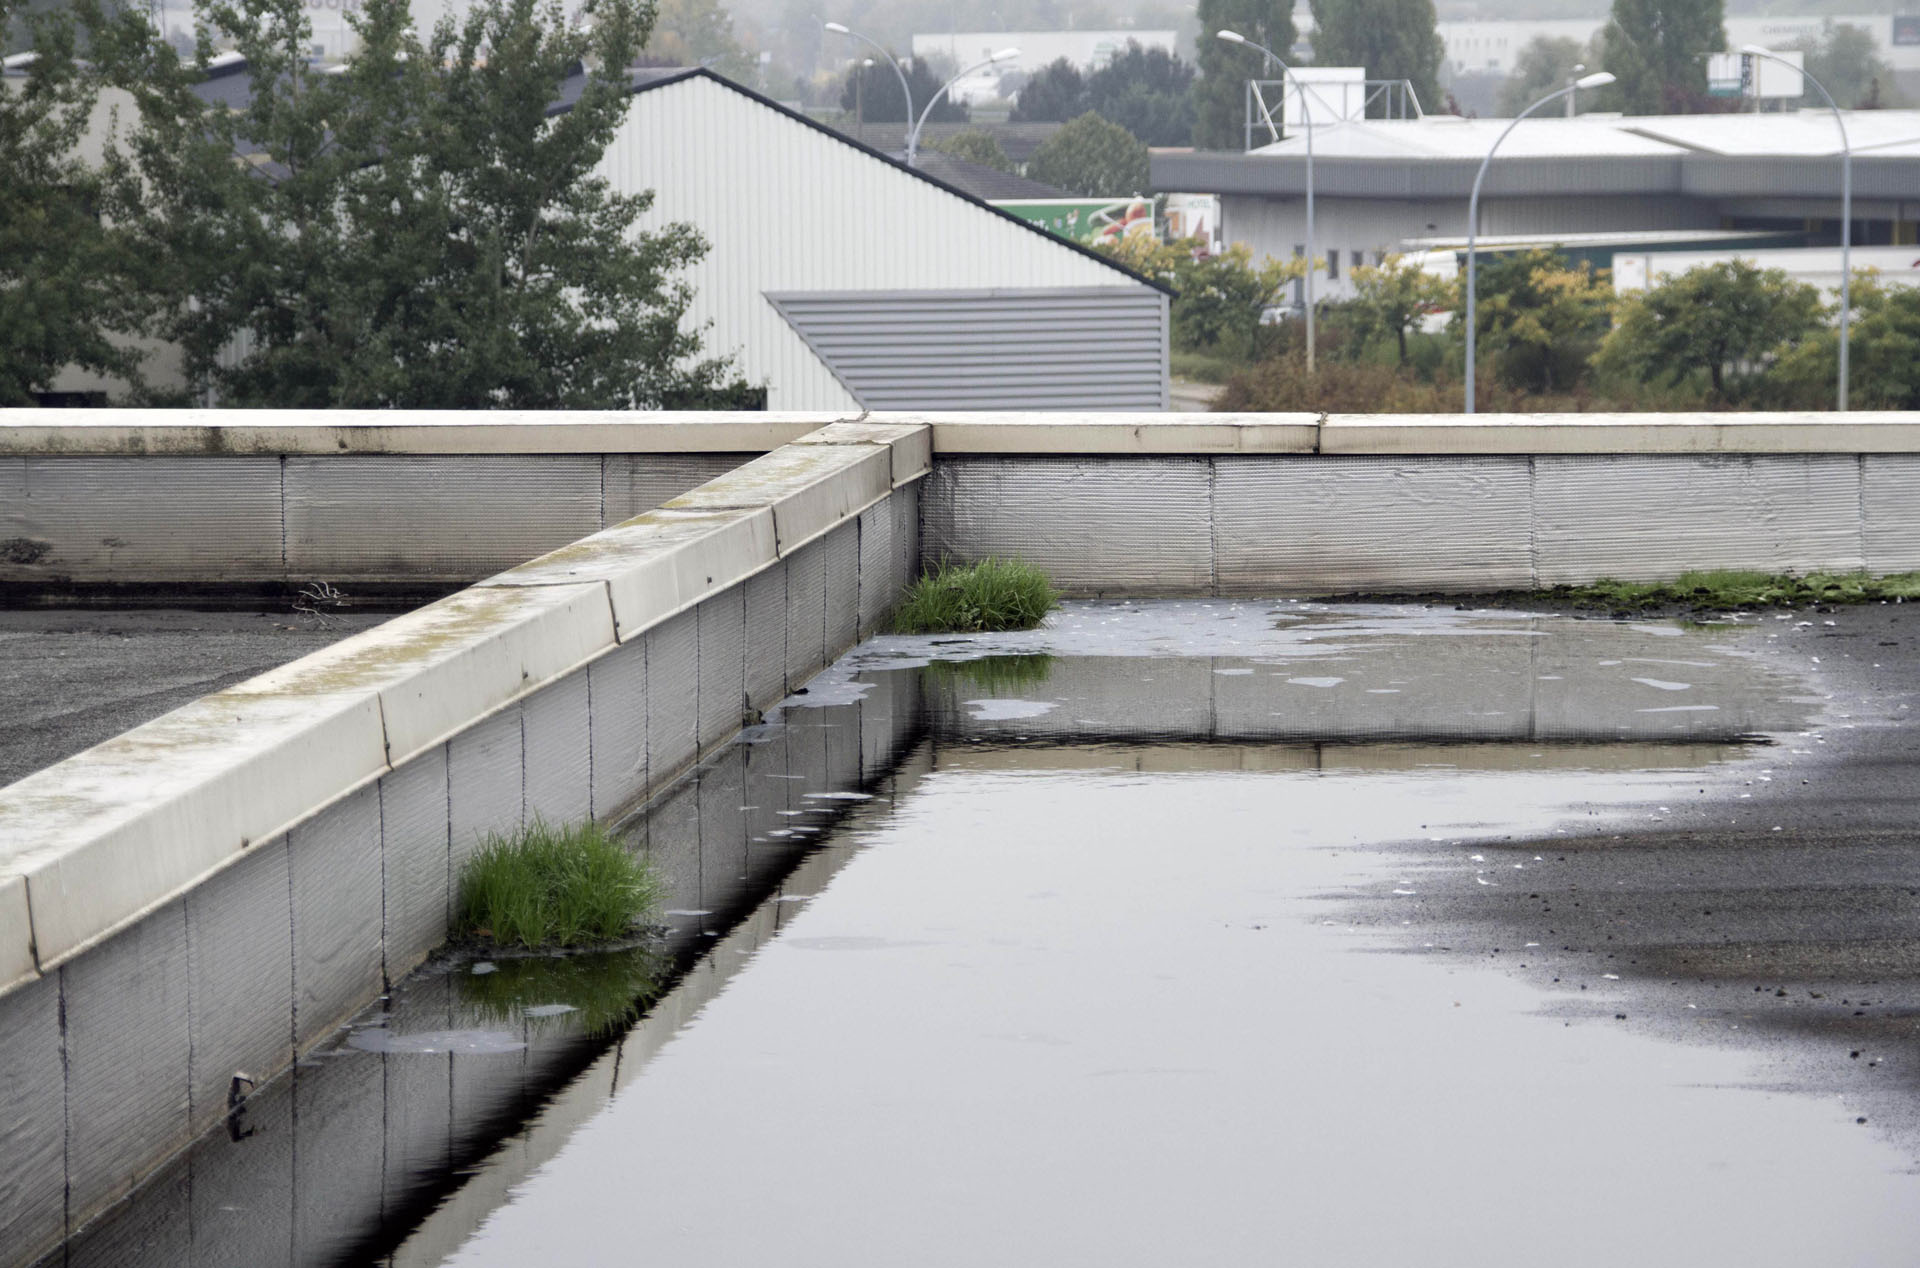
550, 886
875, 91
1093, 158
1543, 66
1883, 355
985, 597
1539, 319
994, 674
1217, 298
416, 231
699, 33
1726, 320
1730, 589
606, 990
1147, 91
1219, 95
67, 280
1055, 93
1391, 299
975, 145
1847, 62
1658, 50
1392, 39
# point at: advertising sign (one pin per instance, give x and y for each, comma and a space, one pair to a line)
1085, 220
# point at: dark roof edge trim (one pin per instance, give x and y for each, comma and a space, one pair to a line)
691, 72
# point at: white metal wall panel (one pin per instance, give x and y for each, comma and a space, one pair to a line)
1119, 526
1027, 349
1652, 517
1302, 524
787, 207
1890, 509
371, 514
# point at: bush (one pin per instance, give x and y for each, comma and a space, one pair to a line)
986, 597
554, 886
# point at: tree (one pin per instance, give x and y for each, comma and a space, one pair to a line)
1147, 91
1883, 354
976, 145
1392, 298
1729, 320
66, 277
1091, 157
1218, 299
1539, 318
875, 90
1543, 66
1392, 39
416, 231
1847, 62
698, 33
1220, 94
1056, 93
1658, 50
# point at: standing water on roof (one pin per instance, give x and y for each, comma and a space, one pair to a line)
1177, 933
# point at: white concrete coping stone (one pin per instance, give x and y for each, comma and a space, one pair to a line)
16, 935
1118, 434
911, 444
810, 488
104, 837
218, 432
441, 668
659, 563
1407, 434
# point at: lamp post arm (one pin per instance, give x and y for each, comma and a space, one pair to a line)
913, 138
1846, 215
1473, 228
906, 94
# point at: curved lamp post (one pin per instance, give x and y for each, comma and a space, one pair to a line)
1306, 117
1846, 211
913, 138
906, 94
1598, 79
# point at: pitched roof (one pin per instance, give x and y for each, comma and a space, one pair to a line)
978, 179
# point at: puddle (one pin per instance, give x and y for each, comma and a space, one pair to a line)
1372, 934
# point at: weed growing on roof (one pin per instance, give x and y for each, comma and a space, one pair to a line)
548, 886
985, 597
1729, 589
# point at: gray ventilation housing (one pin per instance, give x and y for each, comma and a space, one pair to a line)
1102, 347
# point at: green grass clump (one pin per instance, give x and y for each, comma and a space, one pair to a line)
985, 597
1732, 588
549, 886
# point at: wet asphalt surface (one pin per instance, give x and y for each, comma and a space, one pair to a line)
71, 678
1775, 905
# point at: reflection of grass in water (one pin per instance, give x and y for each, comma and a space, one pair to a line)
606, 989
993, 674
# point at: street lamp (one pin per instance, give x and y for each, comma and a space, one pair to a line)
1306, 117
1573, 83
1598, 79
1846, 210
906, 94
913, 137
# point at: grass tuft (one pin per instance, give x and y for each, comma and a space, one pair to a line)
550, 886
985, 597
1728, 589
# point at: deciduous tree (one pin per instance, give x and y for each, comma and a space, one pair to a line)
1219, 95
1055, 93
1092, 157
1147, 91
1847, 62
976, 145
1883, 354
1393, 298
1729, 321
1539, 318
1657, 50
1391, 39
1543, 66
875, 90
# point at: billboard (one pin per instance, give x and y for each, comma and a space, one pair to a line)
1085, 220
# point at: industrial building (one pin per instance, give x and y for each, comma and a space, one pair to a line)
841, 279
1381, 185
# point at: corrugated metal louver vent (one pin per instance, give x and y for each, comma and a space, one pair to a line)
1044, 349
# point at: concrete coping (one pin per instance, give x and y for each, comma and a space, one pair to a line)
208, 432
92, 844
127, 432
